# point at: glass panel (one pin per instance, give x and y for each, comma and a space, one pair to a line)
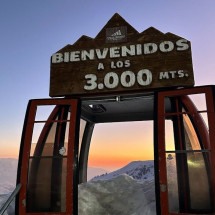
81, 131
38, 127
169, 136
198, 180
196, 162
199, 101
46, 191
172, 182
43, 139
63, 149
43, 112
205, 118
50, 138
196, 138
168, 105
191, 138
189, 163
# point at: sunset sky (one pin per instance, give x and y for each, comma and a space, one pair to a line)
31, 31
121, 143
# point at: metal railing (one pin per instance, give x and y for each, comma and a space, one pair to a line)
10, 199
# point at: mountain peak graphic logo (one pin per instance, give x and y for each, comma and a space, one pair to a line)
117, 34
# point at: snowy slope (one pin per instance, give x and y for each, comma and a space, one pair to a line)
8, 170
127, 191
138, 170
121, 195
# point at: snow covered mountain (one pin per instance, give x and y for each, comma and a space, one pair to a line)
138, 170
129, 190
121, 195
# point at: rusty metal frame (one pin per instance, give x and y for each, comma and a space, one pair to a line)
162, 188
160, 156
71, 205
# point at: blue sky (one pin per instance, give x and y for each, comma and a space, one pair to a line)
31, 31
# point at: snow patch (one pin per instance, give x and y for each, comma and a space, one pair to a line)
121, 195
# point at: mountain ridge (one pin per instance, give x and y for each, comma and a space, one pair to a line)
138, 170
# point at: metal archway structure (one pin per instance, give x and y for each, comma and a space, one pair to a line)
53, 162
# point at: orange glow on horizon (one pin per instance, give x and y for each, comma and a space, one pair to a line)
115, 145
9, 152
111, 162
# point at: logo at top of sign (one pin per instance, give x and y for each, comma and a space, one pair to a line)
116, 34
